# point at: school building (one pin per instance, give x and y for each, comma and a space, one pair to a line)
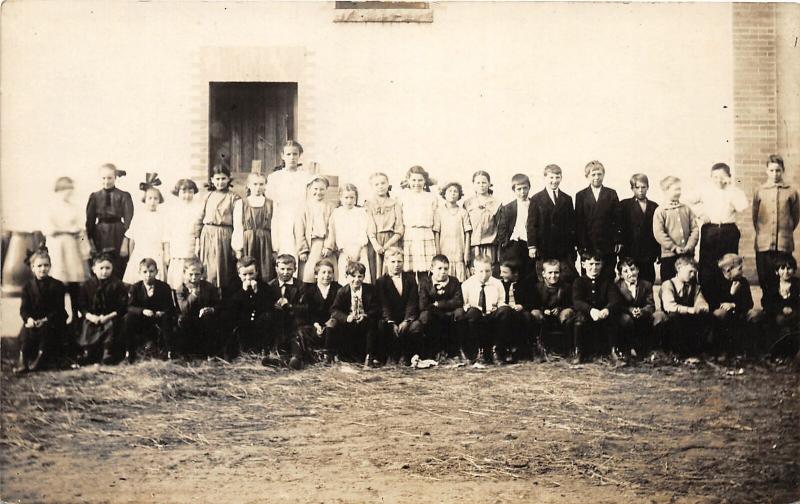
171, 87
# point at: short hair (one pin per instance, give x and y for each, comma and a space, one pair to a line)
669, 181
194, 262
155, 190
354, 268
483, 259
246, 262
519, 179
721, 166
593, 165
393, 251
447, 186
729, 261
685, 260
184, 184
777, 159
64, 183
592, 255
640, 178
552, 168
286, 259
322, 263
349, 188
148, 262
440, 258
512, 265
103, 257
484, 173
785, 261
626, 262
323, 180
293, 143
553, 263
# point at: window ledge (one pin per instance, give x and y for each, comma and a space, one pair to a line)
383, 16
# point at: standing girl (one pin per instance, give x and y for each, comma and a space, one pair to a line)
109, 213
66, 240
146, 236
217, 227
182, 237
385, 223
421, 224
483, 210
256, 219
347, 233
311, 229
287, 190
455, 231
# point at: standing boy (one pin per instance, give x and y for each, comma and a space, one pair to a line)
636, 228
776, 213
551, 226
399, 297
674, 227
487, 316
596, 215
512, 232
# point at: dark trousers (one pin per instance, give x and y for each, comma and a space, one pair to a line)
442, 331
282, 331
594, 337
785, 335
517, 251
151, 332
401, 340
765, 267
716, 240
640, 334
689, 334
351, 340
609, 269
554, 333
737, 333
198, 336
245, 335
485, 331
307, 345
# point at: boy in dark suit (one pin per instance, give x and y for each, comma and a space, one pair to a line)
512, 232
596, 300
731, 303
551, 309
356, 310
398, 293
516, 343
151, 312
246, 307
636, 228
551, 226
781, 302
639, 322
313, 312
286, 291
198, 321
596, 212
441, 310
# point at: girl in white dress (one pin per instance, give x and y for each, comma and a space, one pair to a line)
421, 222
182, 238
347, 233
146, 237
66, 238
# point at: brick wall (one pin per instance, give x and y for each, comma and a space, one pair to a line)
755, 104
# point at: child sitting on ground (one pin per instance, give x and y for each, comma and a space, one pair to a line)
150, 316
356, 310
638, 319
781, 303
102, 302
399, 297
487, 316
441, 310
198, 321
737, 322
596, 300
551, 309
688, 318
313, 312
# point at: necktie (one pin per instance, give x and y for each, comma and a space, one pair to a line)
555, 196
511, 299
357, 309
684, 291
482, 298
283, 290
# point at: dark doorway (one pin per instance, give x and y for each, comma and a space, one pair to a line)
249, 123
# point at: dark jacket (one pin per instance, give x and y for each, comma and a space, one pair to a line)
599, 293
545, 297
396, 307
551, 228
643, 299
189, 305
596, 224
523, 291
103, 297
312, 307
342, 303
636, 230
449, 299
43, 298
241, 307
161, 299
719, 292
506, 218
292, 294
773, 303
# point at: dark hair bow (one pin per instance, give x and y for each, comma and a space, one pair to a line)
150, 180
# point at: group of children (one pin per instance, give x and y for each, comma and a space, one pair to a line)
302, 281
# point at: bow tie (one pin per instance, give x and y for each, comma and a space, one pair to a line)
284, 284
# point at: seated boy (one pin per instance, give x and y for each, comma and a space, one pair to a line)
674, 227
198, 325
313, 311
356, 310
737, 321
689, 322
487, 316
441, 310
150, 316
246, 307
399, 297
638, 319
781, 302
596, 300
103, 302
285, 291
517, 343
551, 309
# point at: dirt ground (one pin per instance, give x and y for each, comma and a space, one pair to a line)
217, 432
